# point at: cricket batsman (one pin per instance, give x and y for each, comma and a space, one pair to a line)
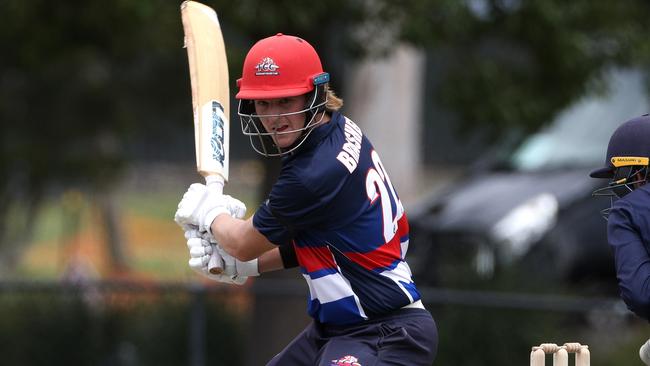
333, 212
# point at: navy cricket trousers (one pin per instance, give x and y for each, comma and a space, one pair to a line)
406, 337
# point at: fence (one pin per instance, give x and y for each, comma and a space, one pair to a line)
136, 323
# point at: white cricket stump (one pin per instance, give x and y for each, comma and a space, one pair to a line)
560, 354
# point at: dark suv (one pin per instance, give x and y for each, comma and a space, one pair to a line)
531, 212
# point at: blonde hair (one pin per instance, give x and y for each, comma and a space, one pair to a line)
332, 103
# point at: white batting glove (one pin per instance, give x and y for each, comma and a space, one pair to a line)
200, 205
202, 246
200, 249
237, 268
200, 252
644, 352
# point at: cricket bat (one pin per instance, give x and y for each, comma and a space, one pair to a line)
206, 53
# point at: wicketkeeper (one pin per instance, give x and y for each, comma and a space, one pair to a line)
628, 218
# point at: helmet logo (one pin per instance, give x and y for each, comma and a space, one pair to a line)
267, 67
619, 161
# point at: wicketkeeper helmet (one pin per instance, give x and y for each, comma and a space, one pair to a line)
626, 164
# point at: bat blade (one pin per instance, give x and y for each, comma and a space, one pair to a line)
208, 65
206, 52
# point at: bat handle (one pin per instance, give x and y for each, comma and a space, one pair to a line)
215, 183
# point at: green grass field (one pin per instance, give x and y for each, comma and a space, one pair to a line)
69, 233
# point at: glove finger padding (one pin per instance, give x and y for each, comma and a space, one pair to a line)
189, 204
200, 205
197, 265
199, 251
191, 231
190, 207
236, 207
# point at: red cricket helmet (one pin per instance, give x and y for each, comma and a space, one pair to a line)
280, 66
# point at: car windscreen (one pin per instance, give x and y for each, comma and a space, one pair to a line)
578, 137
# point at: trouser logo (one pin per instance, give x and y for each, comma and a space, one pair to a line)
346, 361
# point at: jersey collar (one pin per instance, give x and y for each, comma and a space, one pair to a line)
318, 134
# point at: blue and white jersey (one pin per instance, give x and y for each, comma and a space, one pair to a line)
335, 204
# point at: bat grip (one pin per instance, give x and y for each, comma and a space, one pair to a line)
215, 183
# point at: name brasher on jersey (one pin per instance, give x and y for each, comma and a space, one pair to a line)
349, 154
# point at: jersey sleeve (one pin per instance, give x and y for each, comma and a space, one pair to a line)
631, 259
292, 207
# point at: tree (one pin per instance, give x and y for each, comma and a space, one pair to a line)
514, 64
85, 84
78, 80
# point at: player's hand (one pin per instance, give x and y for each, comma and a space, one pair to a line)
200, 205
236, 268
202, 246
232, 267
201, 249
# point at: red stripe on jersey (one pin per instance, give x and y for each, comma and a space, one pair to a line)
314, 259
386, 254
403, 226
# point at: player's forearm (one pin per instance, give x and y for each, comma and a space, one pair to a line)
239, 238
282, 257
270, 261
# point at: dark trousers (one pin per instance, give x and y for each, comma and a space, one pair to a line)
406, 337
